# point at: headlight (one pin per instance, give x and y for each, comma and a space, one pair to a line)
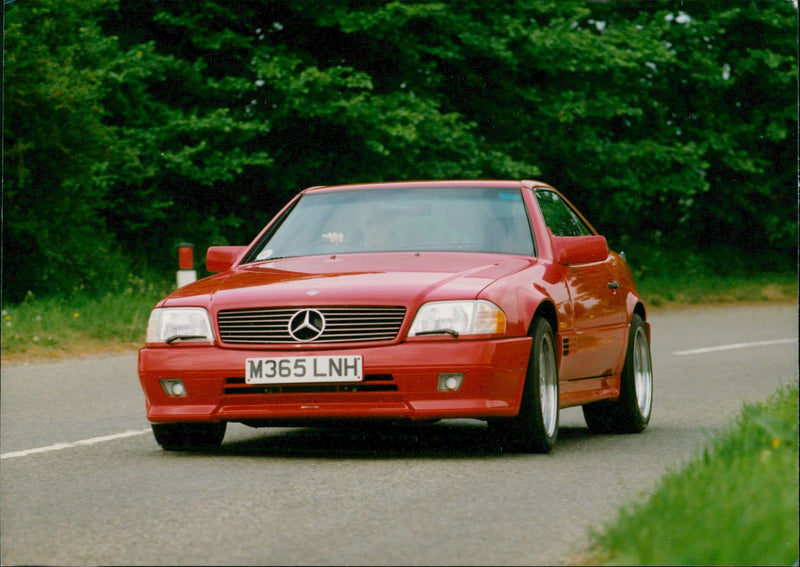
459, 318
170, 324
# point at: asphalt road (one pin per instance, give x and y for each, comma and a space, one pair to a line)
83, 482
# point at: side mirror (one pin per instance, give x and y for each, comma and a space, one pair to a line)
568, 250
221, 258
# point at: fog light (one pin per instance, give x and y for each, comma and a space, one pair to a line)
450, 381
174, 387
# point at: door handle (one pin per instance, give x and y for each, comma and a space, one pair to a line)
613, 285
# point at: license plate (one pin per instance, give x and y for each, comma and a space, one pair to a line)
301, 369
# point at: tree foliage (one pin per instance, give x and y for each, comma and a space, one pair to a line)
133, 125
57, 151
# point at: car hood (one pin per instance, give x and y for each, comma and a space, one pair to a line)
351, 279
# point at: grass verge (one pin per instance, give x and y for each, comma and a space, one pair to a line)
687, 287
57, 327
736, 504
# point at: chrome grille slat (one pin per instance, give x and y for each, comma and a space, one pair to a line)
342, 324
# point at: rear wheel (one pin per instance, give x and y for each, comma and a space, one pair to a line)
631, 412
535, 428
188, 436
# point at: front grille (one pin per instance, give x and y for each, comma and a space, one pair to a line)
371, 383
342, 325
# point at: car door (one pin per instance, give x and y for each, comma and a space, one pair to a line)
591, 349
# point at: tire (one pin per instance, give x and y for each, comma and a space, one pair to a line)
631, 412
535, 428
188, 436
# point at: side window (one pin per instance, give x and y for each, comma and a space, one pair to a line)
561, 219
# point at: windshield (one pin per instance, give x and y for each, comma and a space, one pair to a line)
448, 219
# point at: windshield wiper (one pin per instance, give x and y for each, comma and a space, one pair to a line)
450, 332
175, 338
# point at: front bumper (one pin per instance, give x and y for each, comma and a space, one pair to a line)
401, 382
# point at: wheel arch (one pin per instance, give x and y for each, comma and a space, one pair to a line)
547, 311
638, 309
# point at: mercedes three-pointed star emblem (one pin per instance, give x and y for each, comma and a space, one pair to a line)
306, 325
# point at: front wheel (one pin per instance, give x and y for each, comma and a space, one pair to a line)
631, 412
188, 436
535, 428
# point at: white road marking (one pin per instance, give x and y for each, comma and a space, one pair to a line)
59, 446
134, 433
734, 346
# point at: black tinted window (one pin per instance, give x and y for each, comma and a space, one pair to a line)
561, 219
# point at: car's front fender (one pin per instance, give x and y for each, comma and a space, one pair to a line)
521, 295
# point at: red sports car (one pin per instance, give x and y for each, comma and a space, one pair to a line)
493, 300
